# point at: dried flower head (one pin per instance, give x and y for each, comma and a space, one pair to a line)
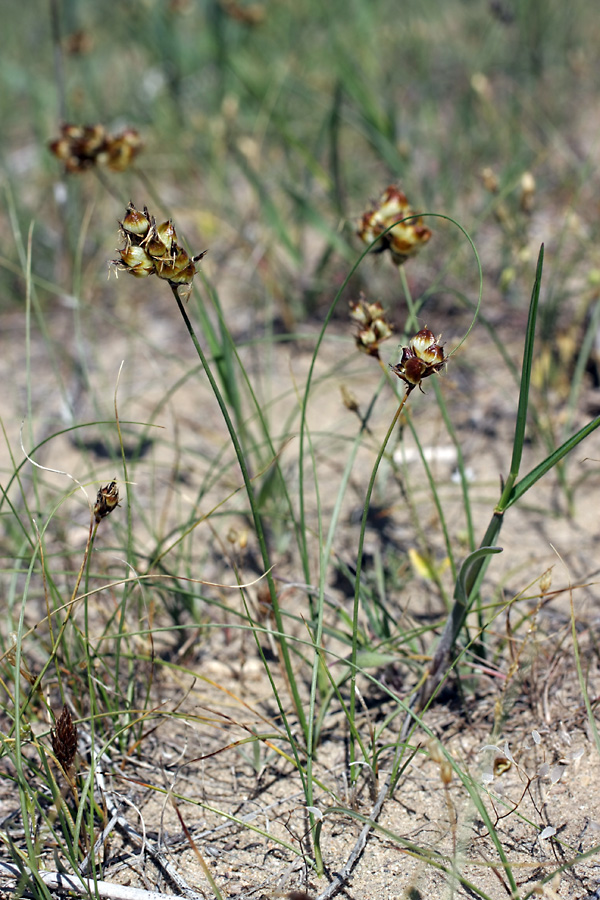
373, 327
423, 357
528, 187
106, 500
64, 739
489, 180
82, 147
122, 149
152, 249
405, 238
349, 399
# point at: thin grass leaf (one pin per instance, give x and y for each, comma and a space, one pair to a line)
549, 463
521, 423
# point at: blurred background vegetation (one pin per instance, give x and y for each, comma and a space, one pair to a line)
269, 126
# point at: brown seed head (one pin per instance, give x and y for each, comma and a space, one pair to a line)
489, 179
446, 772
527, 192
83, 147
423, 357
64, 739
546, 581
122, 149
183, 274
152, 249
106, 500
405, 238
373, 327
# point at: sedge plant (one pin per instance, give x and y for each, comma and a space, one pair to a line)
155, 251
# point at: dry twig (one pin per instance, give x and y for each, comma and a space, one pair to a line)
88, 887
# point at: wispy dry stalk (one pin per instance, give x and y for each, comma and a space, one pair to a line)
89, 887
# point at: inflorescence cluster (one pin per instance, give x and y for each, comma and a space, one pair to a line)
424, 354
407, 233
82, 147
152, 249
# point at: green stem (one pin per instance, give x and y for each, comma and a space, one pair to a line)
412, 322
260, 534
361, 542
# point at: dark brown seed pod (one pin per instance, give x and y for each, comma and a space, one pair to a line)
420, 359
106, 500
64, 739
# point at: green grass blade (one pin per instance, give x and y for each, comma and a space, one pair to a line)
519, 438
547, 464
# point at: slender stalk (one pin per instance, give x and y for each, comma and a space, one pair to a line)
361, 542
412, 322
59, 68
260, 534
